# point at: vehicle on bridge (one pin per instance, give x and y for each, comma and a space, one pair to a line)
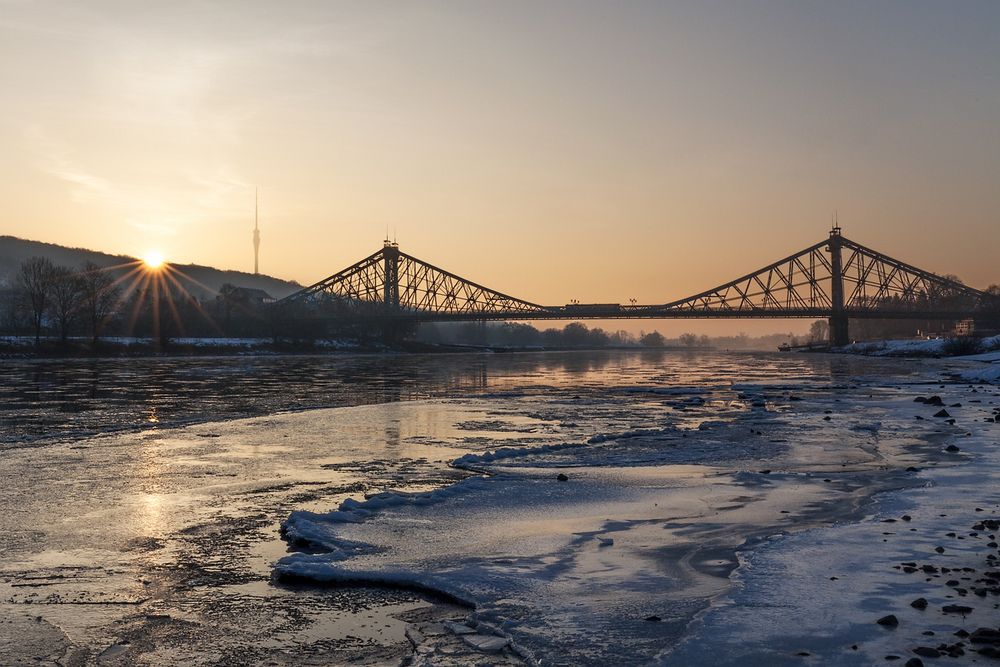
588, 308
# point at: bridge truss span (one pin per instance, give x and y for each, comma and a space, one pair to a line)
834, 275
404, 285
793, 284
836, 279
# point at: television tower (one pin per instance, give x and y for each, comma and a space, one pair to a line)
256, 236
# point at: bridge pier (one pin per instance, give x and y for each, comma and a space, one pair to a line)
839, 333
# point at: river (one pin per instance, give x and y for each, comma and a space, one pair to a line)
192, 510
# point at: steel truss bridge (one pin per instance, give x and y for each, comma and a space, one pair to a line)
836, 279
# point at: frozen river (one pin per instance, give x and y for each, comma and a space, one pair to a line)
373, 509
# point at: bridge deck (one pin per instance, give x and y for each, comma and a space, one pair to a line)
654, 313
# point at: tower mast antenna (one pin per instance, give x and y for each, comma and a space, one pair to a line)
256, 234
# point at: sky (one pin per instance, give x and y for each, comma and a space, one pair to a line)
597, 151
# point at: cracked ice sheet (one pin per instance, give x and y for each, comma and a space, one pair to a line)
527, 550
166, 527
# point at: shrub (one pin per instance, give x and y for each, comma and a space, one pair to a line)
956, 347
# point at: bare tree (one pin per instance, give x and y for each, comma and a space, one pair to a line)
819, 331
66, 294
653, 339
99, 296
37, 276
689, 340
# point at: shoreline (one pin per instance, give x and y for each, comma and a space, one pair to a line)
24, 348
204, 348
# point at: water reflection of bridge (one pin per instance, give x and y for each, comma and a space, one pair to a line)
837, 279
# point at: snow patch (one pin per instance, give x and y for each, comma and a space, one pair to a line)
897, 348
319, 568
989, 374
317, 529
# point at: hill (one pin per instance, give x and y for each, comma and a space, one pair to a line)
13, 251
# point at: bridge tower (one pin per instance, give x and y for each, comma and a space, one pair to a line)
838, 318
390, 268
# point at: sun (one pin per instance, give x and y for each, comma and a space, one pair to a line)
153, 259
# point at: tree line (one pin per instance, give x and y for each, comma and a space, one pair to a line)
47, 296
579, 335
44, 299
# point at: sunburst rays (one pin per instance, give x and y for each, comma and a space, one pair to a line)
157, 287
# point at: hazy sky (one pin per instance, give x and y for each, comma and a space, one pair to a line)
552, 150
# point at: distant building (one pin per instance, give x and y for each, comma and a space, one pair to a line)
246, 295
964, 327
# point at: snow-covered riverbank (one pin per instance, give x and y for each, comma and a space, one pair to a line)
984, 363
925, 347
